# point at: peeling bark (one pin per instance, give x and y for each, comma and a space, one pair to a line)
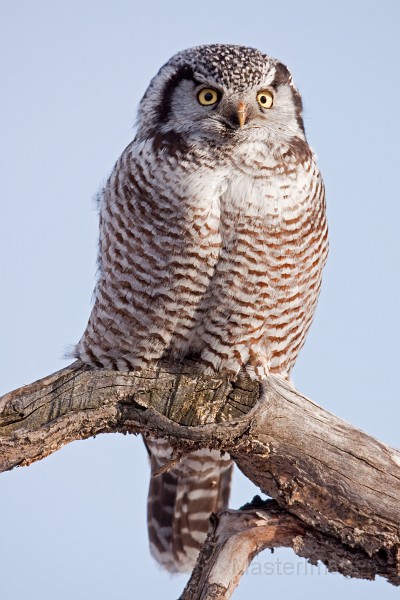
336, 489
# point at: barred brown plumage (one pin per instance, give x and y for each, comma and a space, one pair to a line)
213, 238
181, 501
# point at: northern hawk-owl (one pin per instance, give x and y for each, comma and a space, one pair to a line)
213, 238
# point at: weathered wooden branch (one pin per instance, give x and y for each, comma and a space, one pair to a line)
235, 537
337, 490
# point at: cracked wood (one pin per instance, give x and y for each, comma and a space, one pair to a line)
339, 482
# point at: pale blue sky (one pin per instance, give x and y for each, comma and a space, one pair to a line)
72, 73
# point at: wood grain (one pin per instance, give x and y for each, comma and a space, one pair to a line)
338, 484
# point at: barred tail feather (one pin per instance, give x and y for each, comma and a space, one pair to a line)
181, 500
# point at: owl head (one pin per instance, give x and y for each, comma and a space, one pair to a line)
222, 93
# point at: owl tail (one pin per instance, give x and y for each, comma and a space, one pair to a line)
181, 500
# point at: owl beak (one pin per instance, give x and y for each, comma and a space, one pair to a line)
241, 113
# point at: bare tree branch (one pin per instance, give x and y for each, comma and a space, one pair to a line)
337, 490
78, 402
235, 537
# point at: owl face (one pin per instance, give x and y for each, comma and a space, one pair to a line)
222, 94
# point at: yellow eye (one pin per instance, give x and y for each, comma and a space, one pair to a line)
265, 99
207, 96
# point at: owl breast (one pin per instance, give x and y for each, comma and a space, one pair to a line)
261, 299
215, 257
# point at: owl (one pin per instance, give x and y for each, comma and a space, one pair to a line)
213, 238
